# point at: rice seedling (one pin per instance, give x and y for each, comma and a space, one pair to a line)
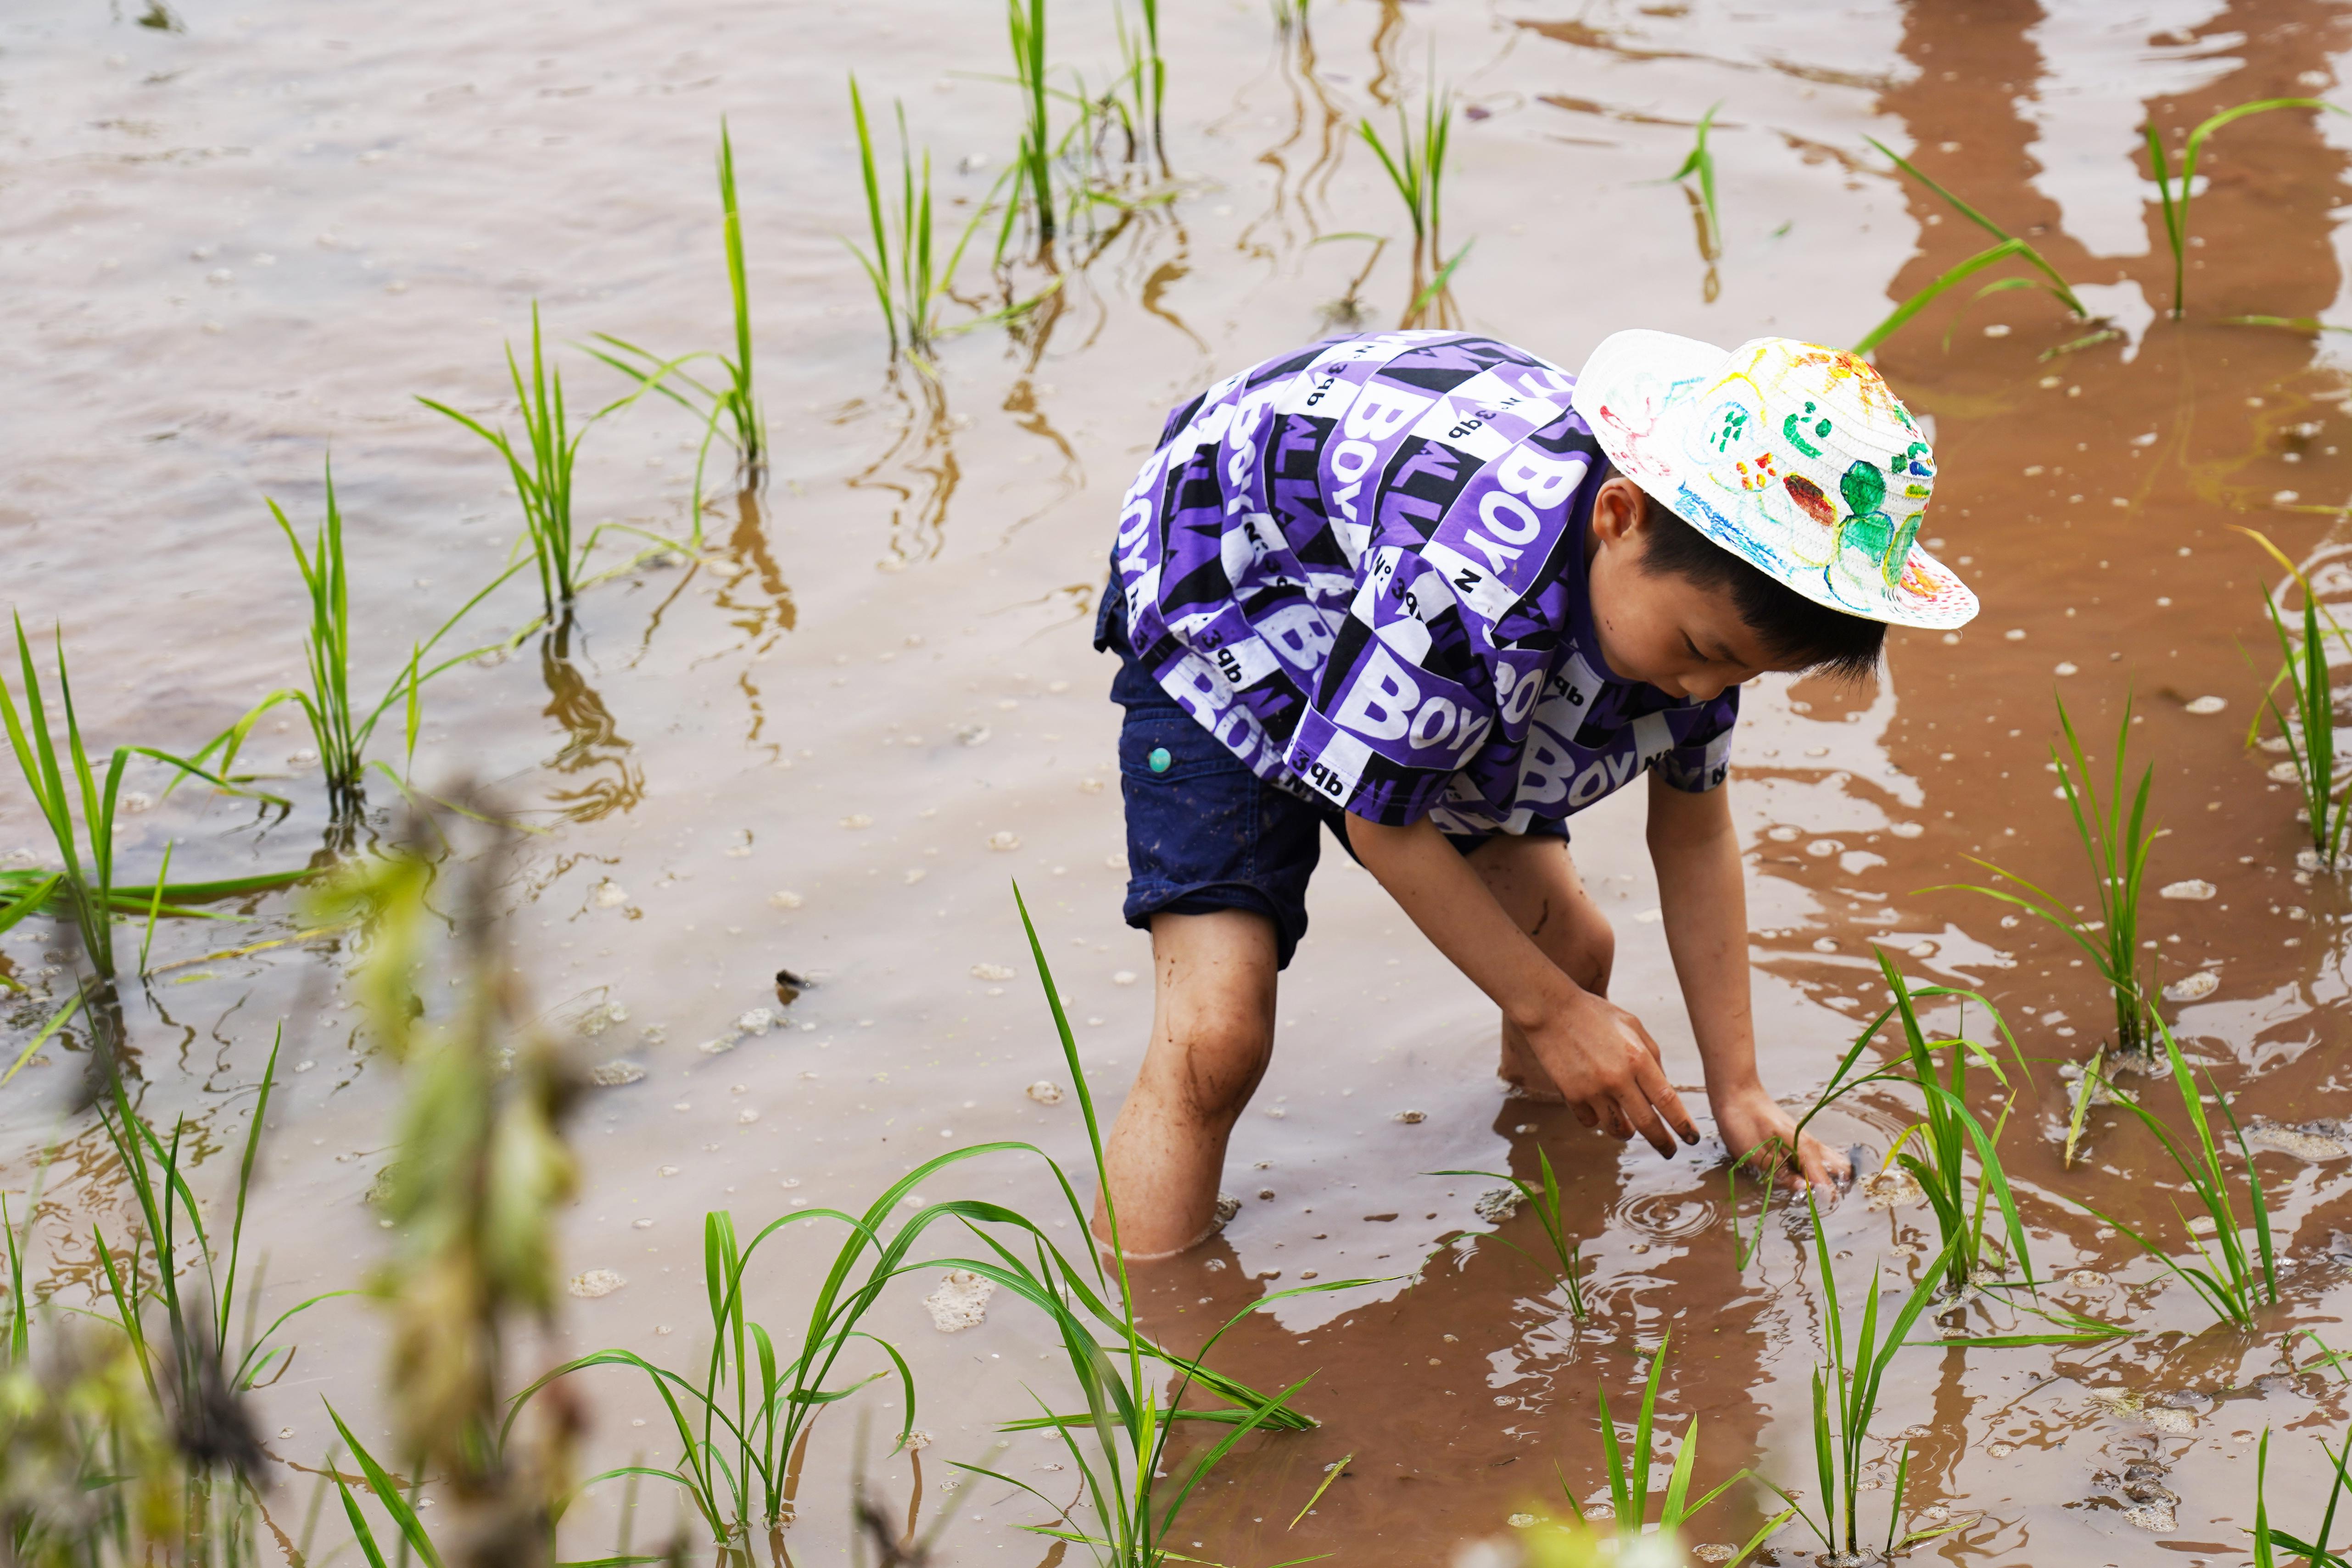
2228, 1278
2290, 323
2336, 1360
907, 283
740, 402
2272, 1545
734, 404
1025, 22
2307, 726
2009, 247
1134, 1515
1947, 1135
2084, 1086
1550, 1211
1949, 1130
2175, 192
199, 1322
1701, 163
1347, 312
1331, 1472
544, 484
1628, 1474
1417, 169
84, 890
1436, 290
1845, 1398
340, 730
2116, 841
1151, 11
739, 1422
1146, 75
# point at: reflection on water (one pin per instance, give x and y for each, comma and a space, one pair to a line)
1290, 219
594, 751
919, 469
769, 610
1386, 37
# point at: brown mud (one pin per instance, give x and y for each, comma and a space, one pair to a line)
828, 741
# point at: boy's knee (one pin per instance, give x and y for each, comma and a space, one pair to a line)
1219, 1061
1584, 946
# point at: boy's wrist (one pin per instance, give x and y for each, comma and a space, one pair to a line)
1532, 1006
1729, 1087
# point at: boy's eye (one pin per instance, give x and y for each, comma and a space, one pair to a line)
1694, 648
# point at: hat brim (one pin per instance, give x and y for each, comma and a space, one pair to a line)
1638, 392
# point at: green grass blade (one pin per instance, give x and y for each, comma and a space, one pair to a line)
387, 1492
1902, 314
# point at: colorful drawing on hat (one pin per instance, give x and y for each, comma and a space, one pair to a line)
1808, 496
1869, 388
1799, 457
1798, 425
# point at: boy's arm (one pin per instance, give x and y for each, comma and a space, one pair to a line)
1603, 1062
1702, 893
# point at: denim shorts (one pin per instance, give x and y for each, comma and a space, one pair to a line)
1203, 832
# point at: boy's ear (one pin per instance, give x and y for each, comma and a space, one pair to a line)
1619, 511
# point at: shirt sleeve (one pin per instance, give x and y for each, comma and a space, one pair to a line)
1405, 698
1700, 758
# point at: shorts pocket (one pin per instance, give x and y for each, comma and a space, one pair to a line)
1171, 737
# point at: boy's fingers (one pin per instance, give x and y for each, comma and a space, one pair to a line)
1650, 1079
1645, 1121
1824, 1167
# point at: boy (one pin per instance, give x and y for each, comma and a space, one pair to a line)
1431, 591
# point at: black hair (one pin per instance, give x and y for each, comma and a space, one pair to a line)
1792, 627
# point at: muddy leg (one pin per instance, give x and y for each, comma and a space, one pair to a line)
1536, 881
1212, 1034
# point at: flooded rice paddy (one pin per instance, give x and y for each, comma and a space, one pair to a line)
829, 739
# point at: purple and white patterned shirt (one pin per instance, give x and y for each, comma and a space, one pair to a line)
1361, 566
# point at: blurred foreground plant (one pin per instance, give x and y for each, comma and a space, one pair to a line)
88, 1471
1628, 1478
481, 1172
122, 1443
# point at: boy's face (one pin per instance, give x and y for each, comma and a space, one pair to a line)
1660, 627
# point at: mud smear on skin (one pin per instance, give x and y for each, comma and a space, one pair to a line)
776, 755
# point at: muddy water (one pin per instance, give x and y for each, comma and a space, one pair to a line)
831, 740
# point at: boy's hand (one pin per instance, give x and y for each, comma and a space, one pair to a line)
1606, 1067
1751, 1123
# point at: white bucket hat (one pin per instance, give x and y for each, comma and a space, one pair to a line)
1798, 458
